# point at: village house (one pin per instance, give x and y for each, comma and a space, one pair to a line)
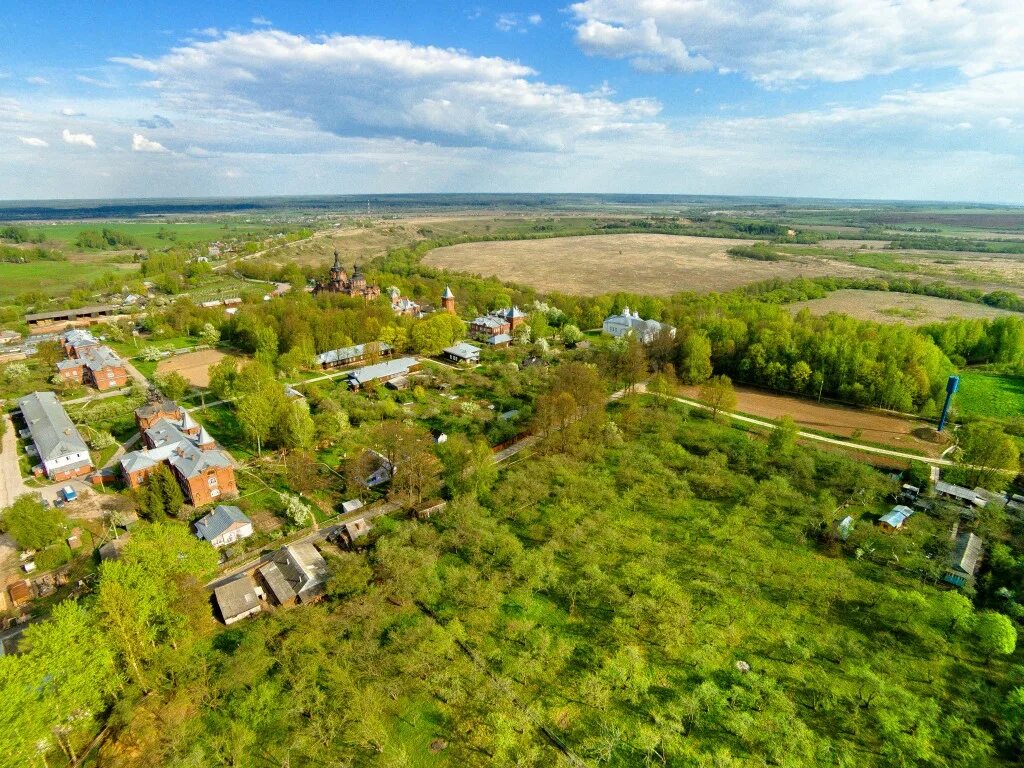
353, 530
382, 372
357, 353
960, 494
894, 519
97, 367
296, 574
462, 352
402, 306
223, 526
238, 599
964, 560
631, 324
55, 439
172, 437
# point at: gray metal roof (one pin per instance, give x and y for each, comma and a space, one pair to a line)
278, 585
959, 492
53, 433
896, 516
490, 321
179, 450
464, 350
98, 358
966, 554
210, 526
447, 293
500, 338
388, 368
348, 353
297, 570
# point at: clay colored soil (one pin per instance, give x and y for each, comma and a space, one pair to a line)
887, 307
655, 264
889, 430
194, 366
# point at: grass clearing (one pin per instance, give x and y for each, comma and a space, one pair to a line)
891, 307
57, 278
656, 264
991, 395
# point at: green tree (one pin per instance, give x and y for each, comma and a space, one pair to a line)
31, 524
223, 376
295, 427
173, 385
695, 358
783, 438
572, 335
997, 636
718, 393
987, 451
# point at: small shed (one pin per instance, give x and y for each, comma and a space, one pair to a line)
894, 519
353, 530
20, 592
964, 560
961, 494
499, 340
238, 599
351, 505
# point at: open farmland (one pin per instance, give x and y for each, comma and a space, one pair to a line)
886, 429
656, 264
194, 366
57, 278
888, 307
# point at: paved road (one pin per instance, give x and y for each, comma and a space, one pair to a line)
11, 484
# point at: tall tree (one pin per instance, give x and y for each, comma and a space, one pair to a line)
718, 393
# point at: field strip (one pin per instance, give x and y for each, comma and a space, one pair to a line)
849, 444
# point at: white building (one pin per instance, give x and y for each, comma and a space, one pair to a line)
225, 525
630, 323
60, 447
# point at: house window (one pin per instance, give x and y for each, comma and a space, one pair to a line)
211, 480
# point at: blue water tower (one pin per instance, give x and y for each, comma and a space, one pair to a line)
951, 387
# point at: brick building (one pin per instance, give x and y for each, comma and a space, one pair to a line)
172, 437
62, 452
90, 362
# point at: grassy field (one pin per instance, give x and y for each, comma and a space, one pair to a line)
56, 278
152, 234
656, 264
989, 394
904, 308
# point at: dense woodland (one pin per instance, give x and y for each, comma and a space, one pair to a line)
659, 589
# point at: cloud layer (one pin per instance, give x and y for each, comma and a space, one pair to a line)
789, 41
78, 139
373, 87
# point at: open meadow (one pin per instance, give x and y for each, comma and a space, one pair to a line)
656, 264
890, 307
989, 395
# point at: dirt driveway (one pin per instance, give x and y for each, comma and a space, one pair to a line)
890, 430
11, 484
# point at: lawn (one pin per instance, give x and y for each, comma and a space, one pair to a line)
993, 395
154, 234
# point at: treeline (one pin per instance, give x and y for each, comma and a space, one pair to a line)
940, 243
758, 252
976, 341
105, 238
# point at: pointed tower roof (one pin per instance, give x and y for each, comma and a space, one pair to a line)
204, 437
187, 422
337, 260
447, 293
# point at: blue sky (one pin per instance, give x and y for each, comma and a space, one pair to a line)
902, 99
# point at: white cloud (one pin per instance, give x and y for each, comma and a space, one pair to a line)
37, 80
516, 22
535, 19
141, 144
69, 112
79, 139
796, 40
374, 87
94, 81
261, 21
32, 141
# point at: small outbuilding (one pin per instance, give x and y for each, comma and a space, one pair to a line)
894, 519
238, 599
353, 530
964, 560
960, 494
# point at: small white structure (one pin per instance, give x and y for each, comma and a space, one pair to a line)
238, 599
631, 324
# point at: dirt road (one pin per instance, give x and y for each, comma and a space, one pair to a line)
11, 484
